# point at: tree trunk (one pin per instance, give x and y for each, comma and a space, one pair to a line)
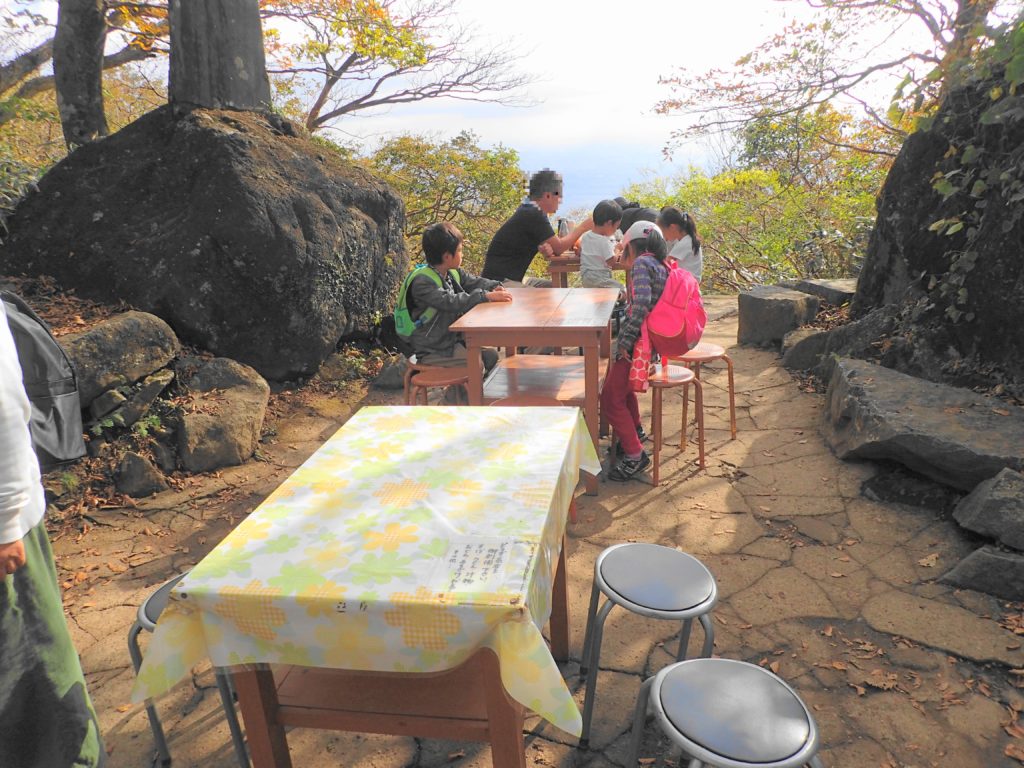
217, 57
78, 70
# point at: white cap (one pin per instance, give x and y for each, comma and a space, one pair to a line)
639, 230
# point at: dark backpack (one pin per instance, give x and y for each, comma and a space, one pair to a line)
50, 384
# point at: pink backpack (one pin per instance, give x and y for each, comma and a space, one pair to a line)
677, 321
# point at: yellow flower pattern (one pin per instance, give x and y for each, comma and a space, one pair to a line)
392, 537
404, 543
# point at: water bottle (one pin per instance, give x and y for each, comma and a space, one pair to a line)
563, 227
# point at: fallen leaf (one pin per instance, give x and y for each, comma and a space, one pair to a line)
124, 707
827, 631
117, 567
774, 667
456, 755
929, 561
765, 509
860, 689
647, 760
1016, 751
841, 666
1001, 411
878, 678
837, 575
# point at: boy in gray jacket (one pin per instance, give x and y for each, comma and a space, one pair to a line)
441, 293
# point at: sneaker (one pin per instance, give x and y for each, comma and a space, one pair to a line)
626, 468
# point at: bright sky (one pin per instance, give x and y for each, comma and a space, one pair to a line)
598, 76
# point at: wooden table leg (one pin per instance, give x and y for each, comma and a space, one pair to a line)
257, 698
560, 611
476, 373
504, 717
590, 412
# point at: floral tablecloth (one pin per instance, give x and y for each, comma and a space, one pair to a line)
410, 539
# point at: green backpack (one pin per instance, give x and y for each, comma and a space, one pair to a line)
404, 324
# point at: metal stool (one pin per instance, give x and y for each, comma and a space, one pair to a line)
148, 615
706, 352
728, 714
666, 377
654, 581
436, 376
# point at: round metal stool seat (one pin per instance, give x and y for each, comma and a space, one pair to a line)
728, 714
649, 580
652, 577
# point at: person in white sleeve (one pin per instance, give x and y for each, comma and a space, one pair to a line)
46, 717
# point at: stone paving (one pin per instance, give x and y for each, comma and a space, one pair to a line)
834, 592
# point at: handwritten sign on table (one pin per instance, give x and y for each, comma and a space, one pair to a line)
480, 564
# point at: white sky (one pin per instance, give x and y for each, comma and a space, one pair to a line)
597, 84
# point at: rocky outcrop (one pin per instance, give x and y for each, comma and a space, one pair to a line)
807, 349
767, 313
950, 435
962, 284
996, 509
250, 241
119, 351
222, 425
990, 570
803, 348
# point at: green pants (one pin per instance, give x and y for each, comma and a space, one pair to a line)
46, 717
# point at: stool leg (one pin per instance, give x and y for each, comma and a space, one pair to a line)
686, 406
684, 639
698, 404
709, 635
816, 762
639, 717
154, 719
228, 703
732, 397
589, 631
595, 658
656, 418
406, 389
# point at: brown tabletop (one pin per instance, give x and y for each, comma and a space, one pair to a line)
544, 317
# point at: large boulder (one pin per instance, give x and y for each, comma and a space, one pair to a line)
119, 351
767, 313
835, 292
951, 435
222, 425
809, 349
251, 241
962, 282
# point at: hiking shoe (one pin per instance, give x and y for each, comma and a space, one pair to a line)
626, 468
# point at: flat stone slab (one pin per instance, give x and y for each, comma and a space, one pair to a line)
837, 292
992, 571
996, 509
951, 435
939, 625
768, 313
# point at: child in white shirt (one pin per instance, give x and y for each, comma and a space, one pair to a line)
597, 254
681, 233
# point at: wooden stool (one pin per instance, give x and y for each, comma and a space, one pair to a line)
666, 377
705, 352
436, 376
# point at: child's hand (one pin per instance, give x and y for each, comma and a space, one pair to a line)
499, 294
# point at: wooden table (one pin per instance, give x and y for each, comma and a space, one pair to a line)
397, 582
538, 317
559, 269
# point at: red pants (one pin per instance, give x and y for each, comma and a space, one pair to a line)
619, 405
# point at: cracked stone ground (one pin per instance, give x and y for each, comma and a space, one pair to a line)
836, 593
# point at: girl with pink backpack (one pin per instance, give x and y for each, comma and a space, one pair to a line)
665, 315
